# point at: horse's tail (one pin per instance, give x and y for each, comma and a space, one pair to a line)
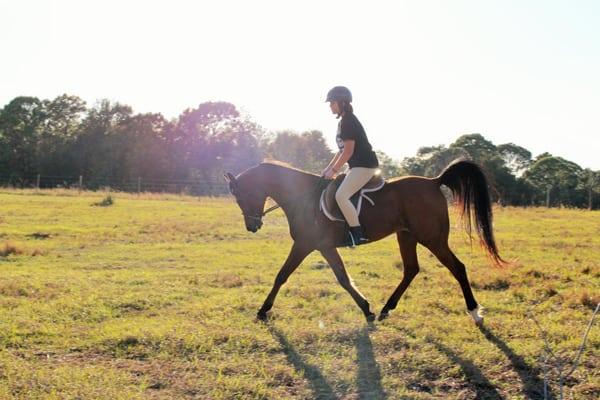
469, 186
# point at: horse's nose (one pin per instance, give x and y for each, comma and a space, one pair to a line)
252, 228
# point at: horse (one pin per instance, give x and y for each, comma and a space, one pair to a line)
412, 207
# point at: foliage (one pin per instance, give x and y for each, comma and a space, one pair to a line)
515, 178
389, 167
557, 175
108, 143
307, 150
21, 127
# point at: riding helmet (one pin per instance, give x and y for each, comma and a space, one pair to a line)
339, 93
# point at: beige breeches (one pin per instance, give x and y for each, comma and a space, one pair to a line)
356, 178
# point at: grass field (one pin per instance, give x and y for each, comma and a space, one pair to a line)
154, 297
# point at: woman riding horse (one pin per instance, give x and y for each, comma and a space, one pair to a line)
412, 207
355, 149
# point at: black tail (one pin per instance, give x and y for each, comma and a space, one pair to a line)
469, 186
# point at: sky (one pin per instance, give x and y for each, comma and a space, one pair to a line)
421, 72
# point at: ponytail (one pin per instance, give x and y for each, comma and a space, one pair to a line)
345, 108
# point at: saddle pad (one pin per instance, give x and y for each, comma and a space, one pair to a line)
328, 205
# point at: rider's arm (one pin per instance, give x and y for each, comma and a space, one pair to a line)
344, 155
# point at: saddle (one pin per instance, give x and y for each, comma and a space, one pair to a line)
328, 205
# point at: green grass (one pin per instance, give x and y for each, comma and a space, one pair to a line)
155, 297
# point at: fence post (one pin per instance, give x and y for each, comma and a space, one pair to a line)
548, 196
139, 185
37, 184
80, 183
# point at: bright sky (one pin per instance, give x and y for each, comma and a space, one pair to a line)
422, 72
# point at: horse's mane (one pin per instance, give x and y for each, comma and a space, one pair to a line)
283, 164
277, 164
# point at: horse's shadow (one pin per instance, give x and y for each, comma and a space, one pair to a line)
368, 375
482, 386
533, 385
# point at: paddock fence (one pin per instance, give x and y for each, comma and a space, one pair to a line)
139, 185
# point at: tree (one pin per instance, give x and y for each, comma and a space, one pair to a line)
60, 128
99, 144
390, 168
211, 137
590, 183
307, 150
478, 147
144, 153
21, 123
515, 157
490, 157
63, 116
431, 160
556, 181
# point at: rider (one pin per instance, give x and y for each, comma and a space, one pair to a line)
354, 148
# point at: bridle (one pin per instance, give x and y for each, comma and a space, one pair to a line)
258, 217
265, 212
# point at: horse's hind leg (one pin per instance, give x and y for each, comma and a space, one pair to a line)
458, 270
337, 265
408, 251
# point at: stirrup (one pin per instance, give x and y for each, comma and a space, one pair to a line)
355, 237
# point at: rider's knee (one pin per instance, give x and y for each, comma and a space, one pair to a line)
339, 197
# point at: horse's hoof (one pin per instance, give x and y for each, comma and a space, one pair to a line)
371, 317
479, 322
383, 316
262, 316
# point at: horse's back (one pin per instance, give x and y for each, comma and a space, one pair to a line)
421, 206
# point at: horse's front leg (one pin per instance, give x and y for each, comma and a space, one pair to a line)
337, 265
297, 254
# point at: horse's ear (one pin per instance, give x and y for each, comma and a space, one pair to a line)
229, 177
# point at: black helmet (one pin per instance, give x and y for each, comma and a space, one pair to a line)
339, 93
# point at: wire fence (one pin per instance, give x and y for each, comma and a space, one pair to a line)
189, 187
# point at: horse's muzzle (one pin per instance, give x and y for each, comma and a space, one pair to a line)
254, 226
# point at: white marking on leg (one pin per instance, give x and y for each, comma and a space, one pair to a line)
477, 315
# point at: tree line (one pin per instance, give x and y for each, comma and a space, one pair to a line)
109, 142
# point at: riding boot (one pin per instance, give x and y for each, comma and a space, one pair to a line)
358, 235
355, 237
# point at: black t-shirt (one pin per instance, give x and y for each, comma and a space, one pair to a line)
350, 128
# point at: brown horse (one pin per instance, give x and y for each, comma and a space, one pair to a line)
412, 207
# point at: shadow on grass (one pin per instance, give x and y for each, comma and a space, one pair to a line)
533, 386
319, 385
482, 386
368, 375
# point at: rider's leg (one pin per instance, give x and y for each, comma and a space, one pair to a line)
356, 178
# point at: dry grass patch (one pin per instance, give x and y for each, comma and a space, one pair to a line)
9, 248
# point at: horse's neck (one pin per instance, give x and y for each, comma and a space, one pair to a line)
288, 186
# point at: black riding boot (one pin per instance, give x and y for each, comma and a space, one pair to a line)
355, 237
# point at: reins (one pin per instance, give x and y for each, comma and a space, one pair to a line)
318, 187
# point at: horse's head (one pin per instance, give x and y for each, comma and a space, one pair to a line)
250, 197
